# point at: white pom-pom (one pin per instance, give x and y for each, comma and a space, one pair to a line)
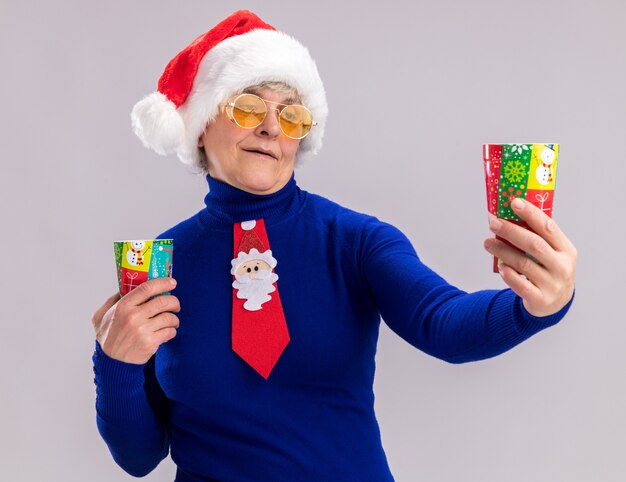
158, 124
248, 225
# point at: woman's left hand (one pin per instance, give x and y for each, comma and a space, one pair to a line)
547, 284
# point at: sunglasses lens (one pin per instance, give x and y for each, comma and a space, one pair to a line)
248, 110
295, 121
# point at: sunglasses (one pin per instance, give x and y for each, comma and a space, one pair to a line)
249, 111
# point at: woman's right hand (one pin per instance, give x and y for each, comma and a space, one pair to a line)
132, 328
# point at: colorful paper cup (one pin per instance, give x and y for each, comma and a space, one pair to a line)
140, 260
527, 171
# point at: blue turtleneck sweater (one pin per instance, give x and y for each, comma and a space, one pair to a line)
313, 418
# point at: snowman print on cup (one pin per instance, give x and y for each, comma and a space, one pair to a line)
136, 253
544, 173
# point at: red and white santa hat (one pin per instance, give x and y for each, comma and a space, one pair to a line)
239, 52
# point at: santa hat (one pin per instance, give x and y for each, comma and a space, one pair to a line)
239, 52
251, 247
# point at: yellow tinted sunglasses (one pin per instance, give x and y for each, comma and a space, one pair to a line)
249, 111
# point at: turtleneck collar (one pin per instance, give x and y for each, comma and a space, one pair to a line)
228, 204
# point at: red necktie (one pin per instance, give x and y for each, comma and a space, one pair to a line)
259, 327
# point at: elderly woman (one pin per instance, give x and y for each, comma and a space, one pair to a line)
260, 366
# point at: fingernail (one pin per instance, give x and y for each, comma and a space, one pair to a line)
172, 281
494, 224
517, 204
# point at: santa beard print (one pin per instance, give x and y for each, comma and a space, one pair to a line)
255, 290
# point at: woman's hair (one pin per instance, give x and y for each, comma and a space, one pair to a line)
276, 86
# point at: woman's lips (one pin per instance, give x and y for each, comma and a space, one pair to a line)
261, 153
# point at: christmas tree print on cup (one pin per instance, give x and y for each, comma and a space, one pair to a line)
527, 171
140, 260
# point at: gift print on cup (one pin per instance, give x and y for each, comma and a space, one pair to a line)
141, 260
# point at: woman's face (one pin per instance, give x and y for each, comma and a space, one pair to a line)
231, 155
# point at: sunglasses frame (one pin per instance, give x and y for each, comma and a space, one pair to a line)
231, 104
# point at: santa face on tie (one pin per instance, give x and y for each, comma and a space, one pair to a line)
254, 279
253, 269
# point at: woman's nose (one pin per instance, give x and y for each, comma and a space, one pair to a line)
269, 127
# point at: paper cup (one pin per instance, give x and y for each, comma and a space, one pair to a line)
527, 171
140, 260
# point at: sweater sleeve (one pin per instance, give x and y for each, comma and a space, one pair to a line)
130, 413
433, 315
